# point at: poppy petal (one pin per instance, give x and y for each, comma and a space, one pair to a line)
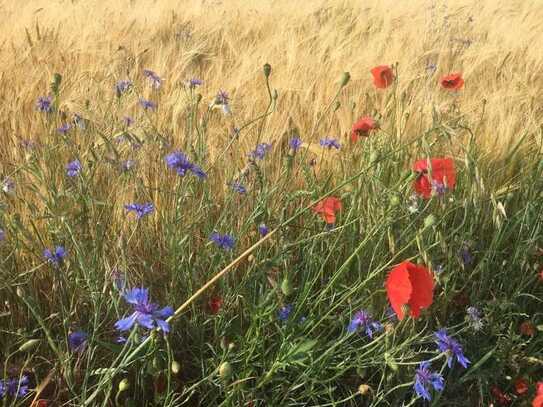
399, 288
423, 289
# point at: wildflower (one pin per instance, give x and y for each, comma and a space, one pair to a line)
56, 256
263, 229
295, 143
147, 104
260, 151
425, 379
452, 81
284, 312
329, 143
79, 121
466, 256
363, 319
452, 347
502, 398
238, 187
2, 235
146, 314
362, 127
8, 185
181, 164
123, 86
140, 209
28, 144
222, 98
538, 401
128, 121
64, 129
73, 168
382, 76
442, 172
15, 387
155, 80
474, 317
521, 386
77, 341
409, 285
413, 206
193, 83
327, 208
225, 242
45, 104
527, 328
215, 304
127, 165
119, 280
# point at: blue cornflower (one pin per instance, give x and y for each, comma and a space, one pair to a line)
362, 319
128, 121
295, 143
284, 312
65, 128
425, 378
147, 104
181, 164
77, 341
45, 104
475, 318
123, 86
56, 256
8, 185
329, 143
14, 387
140, 209
260, 151
222, 98
466, 256
155, 80
73, 168
2, 235
263, 229
238, 187
451, 347
193, 83
146, 314
439, 188
226, 241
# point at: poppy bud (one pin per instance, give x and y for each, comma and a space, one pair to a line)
267, 70
345, 77
363, 389
394, 200
123, 385
231, 346
28, 345
251, 258
176, 367
19, 292
286, 287
429, 221
225, 371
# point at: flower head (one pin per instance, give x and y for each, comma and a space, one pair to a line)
73, 168
327, 208
146, 314
538, 401
79, 121
140, 209
77, 341
147, 104
362, 127
453, 81
8, 185
194, 82
181, 164
409, 285
154, 79
215, 304
44, 104
225, 242
56, 256
441, 179
284, 312
382, 76
260, 151
466, 256
363, 320
425, 379
474, 318
295, 143
122, 86
222, 98
238, 187
330, 143
451, 347
128, 121
15, 387
64, 129
263, 229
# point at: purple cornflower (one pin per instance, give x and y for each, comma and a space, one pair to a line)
155, 80
128, 121
127, 165
362, 319
140, 209
475, 318
284, 312
329, 143
238, 187
263, 229
451, 347
45, 104
193, 83
8, 185
222, 98
147, 104
146, 314
64, 129
123, 86
181, 164
295, 143
73, 168
260, 151
225, 242
55, 257
2, 235
425, 379
77, 341
439, 188
466, 256
14, 387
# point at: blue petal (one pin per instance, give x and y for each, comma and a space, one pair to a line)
164, 313
353, 326
145, 320
422, 391
163, 325
126, 324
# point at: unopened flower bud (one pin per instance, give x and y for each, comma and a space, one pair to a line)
28, 345
267, 70
345, 78
176, 367
123, 385
286, 287
363, 389
225, 371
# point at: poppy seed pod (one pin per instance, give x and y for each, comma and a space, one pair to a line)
225, 371
267, 70
345, 78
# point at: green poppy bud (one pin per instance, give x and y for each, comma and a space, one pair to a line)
176, 367
28, 345
123, 385
225, 371
267, 70
345, 78
286, 286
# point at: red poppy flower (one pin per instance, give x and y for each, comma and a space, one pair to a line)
412, 285
362, 127
502, 398
453, 81
521, 386
443, 176
538, 401
527, 328
327, 209
215, 304
382, 76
